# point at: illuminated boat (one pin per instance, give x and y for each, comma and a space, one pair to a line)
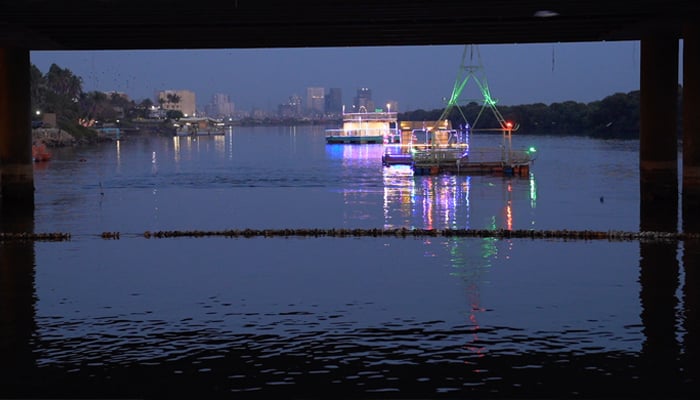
440, 148
421, 137
447, 150
365, 128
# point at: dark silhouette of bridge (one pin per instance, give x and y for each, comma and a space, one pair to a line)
28, 25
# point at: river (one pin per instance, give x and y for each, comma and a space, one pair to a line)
130, 314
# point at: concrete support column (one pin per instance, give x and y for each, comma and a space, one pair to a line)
658, 148
691, 128
16, 163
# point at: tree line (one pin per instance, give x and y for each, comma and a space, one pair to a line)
59, 91
615, 116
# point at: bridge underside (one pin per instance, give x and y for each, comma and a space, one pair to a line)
178, 24
27, 25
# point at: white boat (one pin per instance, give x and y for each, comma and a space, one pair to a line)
365, 128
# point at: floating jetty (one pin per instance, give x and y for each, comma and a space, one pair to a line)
435, 147
455, 157
484, 161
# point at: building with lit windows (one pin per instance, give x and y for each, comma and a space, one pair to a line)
220, 106
334, 102
363, 101
291, 109
315, 100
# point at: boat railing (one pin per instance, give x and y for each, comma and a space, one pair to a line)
361, 132
520, 156
374, 116
500, 154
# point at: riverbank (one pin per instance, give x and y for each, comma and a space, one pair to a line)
56, 137
53, 137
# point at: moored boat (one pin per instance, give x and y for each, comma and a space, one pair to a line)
40, 153
365, 128
445, 149
199, 127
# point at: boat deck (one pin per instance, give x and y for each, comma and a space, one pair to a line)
466, 167
460, 161
342, 139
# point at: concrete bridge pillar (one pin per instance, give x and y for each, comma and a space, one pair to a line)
691, 128
16, 163
658, 145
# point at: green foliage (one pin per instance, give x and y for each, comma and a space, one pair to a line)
174, 114
80, 133
60, 92
616, 116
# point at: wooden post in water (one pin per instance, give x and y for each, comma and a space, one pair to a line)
16, 164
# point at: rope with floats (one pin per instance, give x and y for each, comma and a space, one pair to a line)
377, 232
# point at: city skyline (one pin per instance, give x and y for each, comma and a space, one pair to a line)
414, 77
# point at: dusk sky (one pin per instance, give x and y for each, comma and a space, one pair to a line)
414, 76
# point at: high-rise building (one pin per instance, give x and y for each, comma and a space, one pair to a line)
220, 106
363, 101
315, 100
180, 100
334, 101
291, 109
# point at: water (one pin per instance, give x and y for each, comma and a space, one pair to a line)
359, 317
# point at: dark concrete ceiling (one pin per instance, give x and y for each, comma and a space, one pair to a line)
208, 24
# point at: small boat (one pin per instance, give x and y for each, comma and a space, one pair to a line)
40, 153
365, 128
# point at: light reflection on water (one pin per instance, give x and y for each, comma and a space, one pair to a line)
317, 316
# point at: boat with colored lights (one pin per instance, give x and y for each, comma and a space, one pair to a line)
364, 127
437, 147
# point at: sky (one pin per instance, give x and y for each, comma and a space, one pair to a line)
416, 77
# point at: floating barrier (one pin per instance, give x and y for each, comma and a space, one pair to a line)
41, 237
405, 232
377, 232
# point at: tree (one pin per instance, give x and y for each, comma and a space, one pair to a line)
174, 114
616, 116
173, 98
95, 106
63, 82
37, 88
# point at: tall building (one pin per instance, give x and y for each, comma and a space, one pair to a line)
363, 101
180, 100
334, 101
291, 109
220, 106
315, 100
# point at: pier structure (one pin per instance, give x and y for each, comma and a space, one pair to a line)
437, 147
